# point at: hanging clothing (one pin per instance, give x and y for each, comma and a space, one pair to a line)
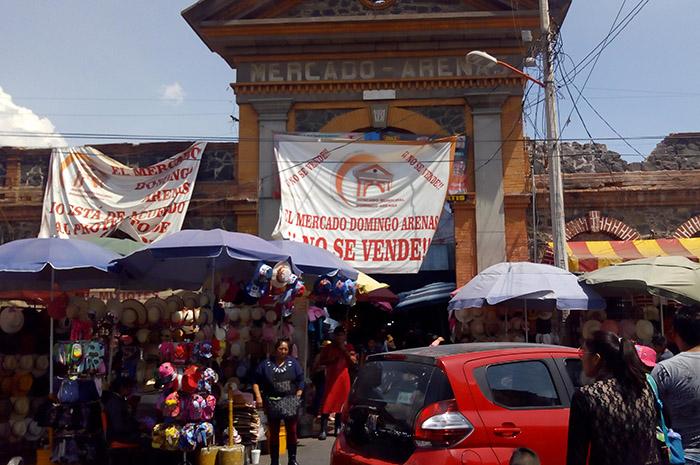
337, 389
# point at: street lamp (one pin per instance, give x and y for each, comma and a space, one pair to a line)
556, 189
477, 56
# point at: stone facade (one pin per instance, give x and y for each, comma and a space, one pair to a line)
314, 120
333, 8
450, 118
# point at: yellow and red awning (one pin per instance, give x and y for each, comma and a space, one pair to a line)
591, 255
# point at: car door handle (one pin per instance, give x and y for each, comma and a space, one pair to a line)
507, 430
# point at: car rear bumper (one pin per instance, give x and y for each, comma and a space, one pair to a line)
343, 454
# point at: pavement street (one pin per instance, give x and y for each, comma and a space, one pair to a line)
311, 452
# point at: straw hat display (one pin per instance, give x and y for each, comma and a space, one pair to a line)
175, 303
11, 320
590, 327
10, 362
204, 299
190, 299
26, 363
77, 308
133, 313
645, 330
270, 316
41, 366
19, 427
245, 314
20, 406
206, 316
97, 307
114, 307
23, 384
142, 335
476, 327
651, 313
156, 310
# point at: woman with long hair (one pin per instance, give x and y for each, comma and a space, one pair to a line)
613, 420
279, 383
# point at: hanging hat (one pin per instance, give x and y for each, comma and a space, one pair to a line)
271, 316
233, 313
245, 314
516, 324
236, 349
590, 327
646, 354
172, 437
26, 363
133, 313
210, 407
257, 313
19, 427
203, 350
464, 315
542, 315
42, 363
610, 326
477, 327
97, 307
205, 434
645, 330
244, 334
232, 334
651, 313
206, 316
175, 303
195, 407
181, 353
76, 307
166, 374
142, 335
10, 362
190, 299
11, 320
190, 378
628, 329
281, 275
156, 309
114, 307
21, 405
34, 431
171, 405
23, 384
219, 333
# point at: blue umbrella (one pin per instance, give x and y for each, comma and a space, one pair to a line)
187, 258
526, 283
45, 263
315, 260
42, 263
432, 294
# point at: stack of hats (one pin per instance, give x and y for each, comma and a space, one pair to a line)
18, 374
246, 421
186, 401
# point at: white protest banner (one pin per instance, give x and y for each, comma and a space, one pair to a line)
374, 204
91, 194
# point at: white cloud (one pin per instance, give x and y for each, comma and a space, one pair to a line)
14, 118
173, 93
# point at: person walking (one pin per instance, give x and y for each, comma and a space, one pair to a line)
660, 345
678, 379
279, 384
613, 420
337, 359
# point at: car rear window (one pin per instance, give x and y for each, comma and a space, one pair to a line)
384, 401
522, 385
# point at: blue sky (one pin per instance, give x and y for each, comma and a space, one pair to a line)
135, 67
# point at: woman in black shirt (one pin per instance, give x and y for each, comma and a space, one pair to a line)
613, 419
279, 383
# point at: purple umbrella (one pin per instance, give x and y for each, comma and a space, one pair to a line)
187, 258
315, 260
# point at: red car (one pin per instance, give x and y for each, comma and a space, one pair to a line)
460, 404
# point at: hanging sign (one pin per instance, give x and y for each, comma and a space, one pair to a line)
91, 194
375, 204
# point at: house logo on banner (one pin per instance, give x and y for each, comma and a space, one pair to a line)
91, 194
368, 173
375, 204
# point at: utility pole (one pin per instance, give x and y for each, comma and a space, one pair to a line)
556, 188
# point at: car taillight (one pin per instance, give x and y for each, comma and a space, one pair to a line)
441, 425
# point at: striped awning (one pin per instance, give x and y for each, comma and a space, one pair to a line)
591, 255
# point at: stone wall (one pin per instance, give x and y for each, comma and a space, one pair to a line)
320, 8
675, 152
314, 120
